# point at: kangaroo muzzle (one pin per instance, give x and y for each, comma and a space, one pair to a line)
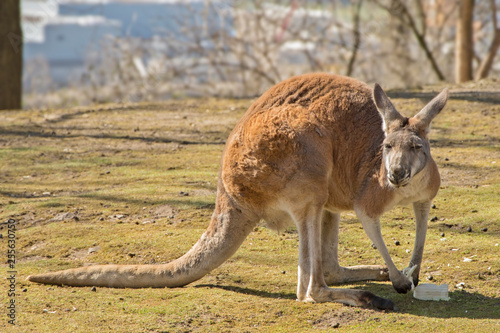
399, 177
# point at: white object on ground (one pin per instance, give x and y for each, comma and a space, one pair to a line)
427, 291
431, 292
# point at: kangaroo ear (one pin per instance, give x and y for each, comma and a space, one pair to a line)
425, 116
392, 118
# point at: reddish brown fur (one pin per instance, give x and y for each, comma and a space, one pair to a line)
291, 129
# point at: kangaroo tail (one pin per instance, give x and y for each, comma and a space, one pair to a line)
227, 230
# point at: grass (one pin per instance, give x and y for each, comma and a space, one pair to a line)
113, 179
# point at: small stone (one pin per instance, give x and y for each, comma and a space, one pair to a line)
434, 207
434, 219
430, 278
373, 245
131, 255
283, 272
336, 325
442, 234
484, 229
25, 290
93, 289
93, 249
397, 243
61, 217
469, 229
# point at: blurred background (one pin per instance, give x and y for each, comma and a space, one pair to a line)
60, 53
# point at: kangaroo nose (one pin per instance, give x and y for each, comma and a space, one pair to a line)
397, 176
398, 173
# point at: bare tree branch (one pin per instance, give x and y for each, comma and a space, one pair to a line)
401, 12
356, 37
487, 63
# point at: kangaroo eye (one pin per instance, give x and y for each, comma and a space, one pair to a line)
387, 146
417, 147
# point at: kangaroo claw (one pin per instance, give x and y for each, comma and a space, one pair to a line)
408, 272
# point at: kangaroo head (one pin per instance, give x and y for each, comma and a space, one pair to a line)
406, 148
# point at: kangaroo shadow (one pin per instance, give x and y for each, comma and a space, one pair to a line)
251, 292
462, 304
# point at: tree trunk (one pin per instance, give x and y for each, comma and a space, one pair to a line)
11, 55
464, 46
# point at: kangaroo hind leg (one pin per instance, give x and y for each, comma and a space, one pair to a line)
311, 283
